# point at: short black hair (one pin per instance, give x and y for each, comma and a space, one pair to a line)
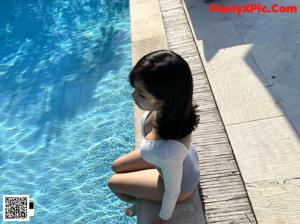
167, 76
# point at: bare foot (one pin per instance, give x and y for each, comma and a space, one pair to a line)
130, 210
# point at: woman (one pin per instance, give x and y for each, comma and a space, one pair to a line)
165, 169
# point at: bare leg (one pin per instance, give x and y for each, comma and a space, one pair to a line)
143, 184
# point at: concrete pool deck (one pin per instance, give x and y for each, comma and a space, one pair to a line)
247, 139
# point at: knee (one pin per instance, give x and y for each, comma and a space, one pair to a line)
117, 165
114, 183
114, 166
111, 182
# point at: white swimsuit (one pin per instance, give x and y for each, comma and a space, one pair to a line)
177, 165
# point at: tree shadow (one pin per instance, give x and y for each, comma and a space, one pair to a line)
272, 41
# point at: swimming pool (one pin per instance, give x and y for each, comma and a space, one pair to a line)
66, 111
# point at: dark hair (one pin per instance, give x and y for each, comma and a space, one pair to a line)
167, 76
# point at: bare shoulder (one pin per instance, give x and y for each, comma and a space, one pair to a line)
152, 135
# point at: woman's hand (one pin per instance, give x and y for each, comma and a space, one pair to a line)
158, 220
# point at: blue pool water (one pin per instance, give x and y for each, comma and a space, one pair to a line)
66, 111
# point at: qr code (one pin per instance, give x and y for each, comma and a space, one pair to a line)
15, 207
